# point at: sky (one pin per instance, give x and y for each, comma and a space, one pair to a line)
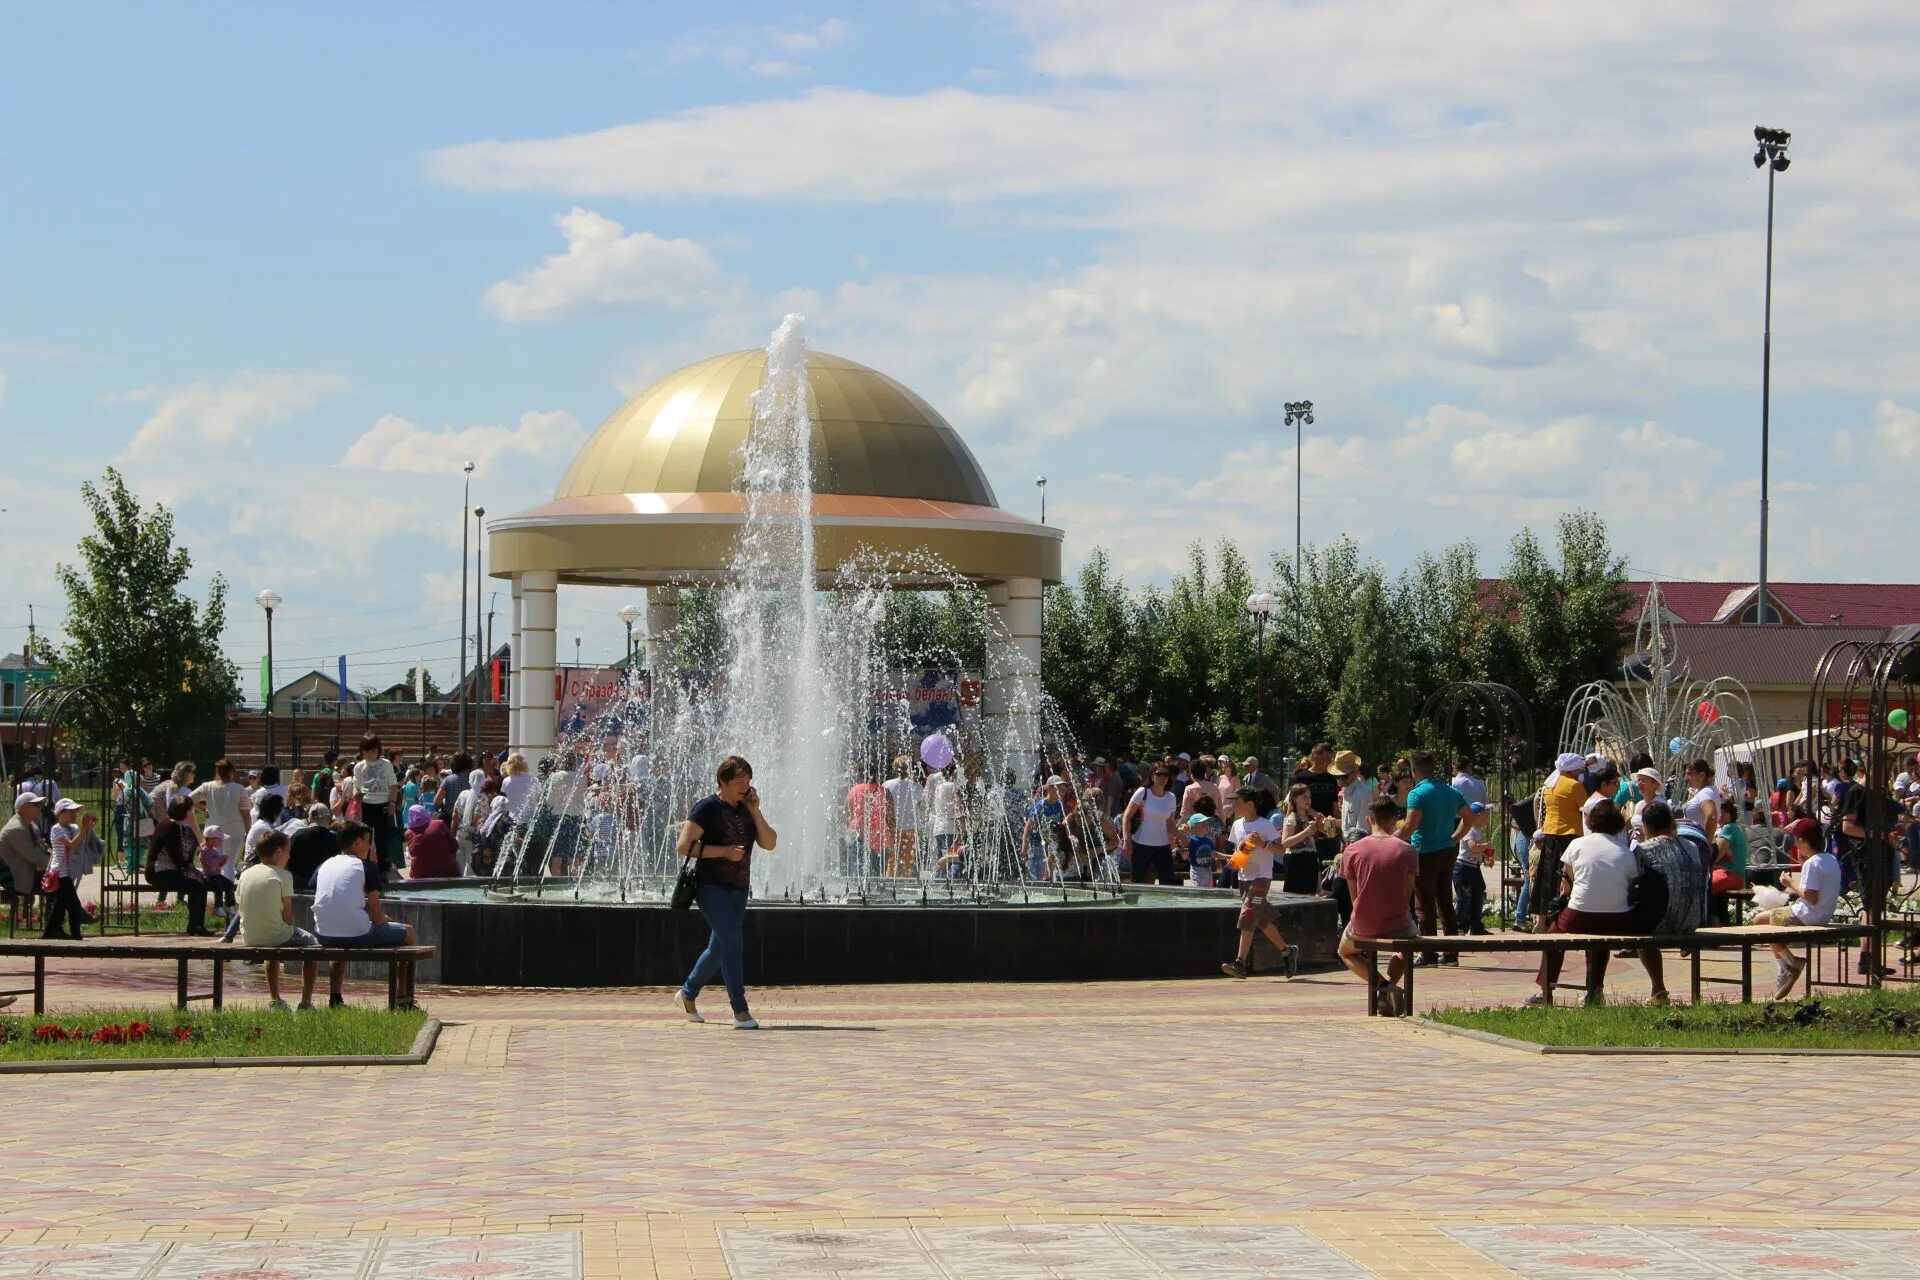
287, 267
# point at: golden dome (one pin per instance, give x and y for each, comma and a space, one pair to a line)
682, 435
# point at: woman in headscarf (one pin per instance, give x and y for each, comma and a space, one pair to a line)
1562, 796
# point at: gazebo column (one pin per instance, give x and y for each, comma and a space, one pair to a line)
1023, 612
533, 691
663, 616
1010, 693
515, 654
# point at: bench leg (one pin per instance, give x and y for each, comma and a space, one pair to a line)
1746, 973
1697, 952
1406, 963
39, 984
1596, 974
1373, 983
393, 984
219, 981
180, 984
407, 974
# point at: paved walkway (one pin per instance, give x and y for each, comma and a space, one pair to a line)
1142, 1129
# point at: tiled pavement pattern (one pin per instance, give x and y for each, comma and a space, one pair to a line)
658, 1149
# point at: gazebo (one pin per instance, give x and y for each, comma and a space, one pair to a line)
650, 501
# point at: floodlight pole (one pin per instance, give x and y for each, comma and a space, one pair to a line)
1772, 155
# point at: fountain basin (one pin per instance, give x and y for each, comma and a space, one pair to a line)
562, 942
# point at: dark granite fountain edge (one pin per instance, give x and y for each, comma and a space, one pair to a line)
567, 944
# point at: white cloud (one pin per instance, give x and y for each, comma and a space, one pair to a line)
604, 267
1897, 430
228, 412
772, 52
1476, 235
395, 444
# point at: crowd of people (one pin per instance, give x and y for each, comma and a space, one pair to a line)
1594, 848
1404, 849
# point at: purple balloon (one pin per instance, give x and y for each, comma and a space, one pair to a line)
936, 750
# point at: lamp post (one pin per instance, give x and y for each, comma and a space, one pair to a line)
466, 493
630, 614
1770, 153
1299, 412
480, 654
269, 600
1260, 604
1040, 483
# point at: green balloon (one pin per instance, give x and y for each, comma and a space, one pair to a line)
1897, 718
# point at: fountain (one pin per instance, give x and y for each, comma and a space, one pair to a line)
803, 686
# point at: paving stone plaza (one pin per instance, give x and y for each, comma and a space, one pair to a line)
1257, 1129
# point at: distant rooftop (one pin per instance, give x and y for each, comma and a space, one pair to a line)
1813, 604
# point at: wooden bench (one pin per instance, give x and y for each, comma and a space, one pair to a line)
400, 961
1598, 946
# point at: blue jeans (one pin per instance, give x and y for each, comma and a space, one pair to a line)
726, 951
1469, 896
1521, 847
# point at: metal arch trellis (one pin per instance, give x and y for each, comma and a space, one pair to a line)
1858, 684
46, 711
1492, 723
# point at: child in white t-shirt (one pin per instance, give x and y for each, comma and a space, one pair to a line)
1254, 840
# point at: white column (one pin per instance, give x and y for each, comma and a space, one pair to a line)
514, 684
663, 615
1022, 616
538, 588
993, 691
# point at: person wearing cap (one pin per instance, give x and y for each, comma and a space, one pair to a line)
1046, 824
23, 849
1815, 891
64, 912
1469, 881
1199, 829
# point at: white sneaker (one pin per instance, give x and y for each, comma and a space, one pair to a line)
745, 1022
1789, 975
684, 1005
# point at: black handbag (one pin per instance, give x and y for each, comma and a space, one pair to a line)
683, 887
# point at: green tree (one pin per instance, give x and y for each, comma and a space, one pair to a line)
1372, 709
1094, 654
132, 629
1562, 625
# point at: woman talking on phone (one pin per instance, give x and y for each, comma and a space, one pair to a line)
721, 833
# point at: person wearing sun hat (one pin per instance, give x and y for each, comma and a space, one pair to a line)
64, 913
23, 851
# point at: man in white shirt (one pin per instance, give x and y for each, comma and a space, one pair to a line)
1816, 891
346, 904
903, 802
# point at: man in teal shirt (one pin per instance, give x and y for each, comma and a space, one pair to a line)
1438, 816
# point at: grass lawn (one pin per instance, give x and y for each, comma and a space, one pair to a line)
228, 1033
1884, 1019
